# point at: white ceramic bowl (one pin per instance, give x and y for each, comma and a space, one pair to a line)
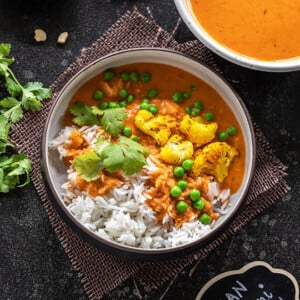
55, 171
185, 10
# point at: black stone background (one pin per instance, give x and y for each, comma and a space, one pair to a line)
33, 264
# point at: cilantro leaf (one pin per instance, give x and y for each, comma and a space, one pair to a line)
125, 155
4, 49
12, 170
15, 169
97, 111
11, 108
5, 62
134, 155
83, 114
113, 120
112, 157
12, 87
4, 129
100, 144
37, 89
88, 166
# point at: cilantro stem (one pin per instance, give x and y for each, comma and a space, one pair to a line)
11, 73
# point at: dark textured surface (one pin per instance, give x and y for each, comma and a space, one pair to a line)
32, 263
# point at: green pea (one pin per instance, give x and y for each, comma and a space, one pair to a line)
123, 103
198, 104
134, 138
205, 219
175, 191
103, 105
187, 164
231, 130
108, 75
134, 76
113, 104
130, 98
195, 194
193, 88
188, 110
123, 93
199, 204
182, 206
195, 112
177, 97
178, 172
153, 109
125, 76
145, 100
98, 95
146, 77
186, 95
145, 106
182, 184
223, 136
127, 131
209, 116
152, 93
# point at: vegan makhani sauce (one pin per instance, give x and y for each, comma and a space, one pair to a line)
265, 30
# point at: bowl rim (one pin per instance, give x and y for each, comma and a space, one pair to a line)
285, 65
125, 251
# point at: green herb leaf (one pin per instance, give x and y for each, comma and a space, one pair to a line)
4, 129
13, 89
113, 120
37, 89
83, 115
100, 144
134, 155
112, 157
126, 155
4, 49
5, 62
11, 108
88, 166
12, 170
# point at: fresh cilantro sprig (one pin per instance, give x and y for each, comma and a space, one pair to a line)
112, 119
125, 155
21, 97
12, 170
15, 169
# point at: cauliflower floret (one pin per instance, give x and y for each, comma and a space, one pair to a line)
196, 131
214, 159
159, 127
176, 150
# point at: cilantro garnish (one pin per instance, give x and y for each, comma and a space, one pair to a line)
83, 114
125, 155
12, 170
112, 119
19, 98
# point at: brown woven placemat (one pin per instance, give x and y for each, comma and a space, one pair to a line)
98, 271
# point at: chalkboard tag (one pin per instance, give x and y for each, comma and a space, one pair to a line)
255, 281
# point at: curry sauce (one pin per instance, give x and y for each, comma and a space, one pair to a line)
166, 80
265, 30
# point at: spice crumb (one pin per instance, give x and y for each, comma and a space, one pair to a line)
62, 38
40, 35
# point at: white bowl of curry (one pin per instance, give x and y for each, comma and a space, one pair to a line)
160, 128
261, 35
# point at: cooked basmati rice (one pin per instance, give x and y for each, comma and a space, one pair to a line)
122, 215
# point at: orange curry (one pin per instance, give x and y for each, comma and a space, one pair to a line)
265, 30
166, 80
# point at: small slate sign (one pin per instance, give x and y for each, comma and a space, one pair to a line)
255, 281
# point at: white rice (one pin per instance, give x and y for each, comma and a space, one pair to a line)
122, 215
